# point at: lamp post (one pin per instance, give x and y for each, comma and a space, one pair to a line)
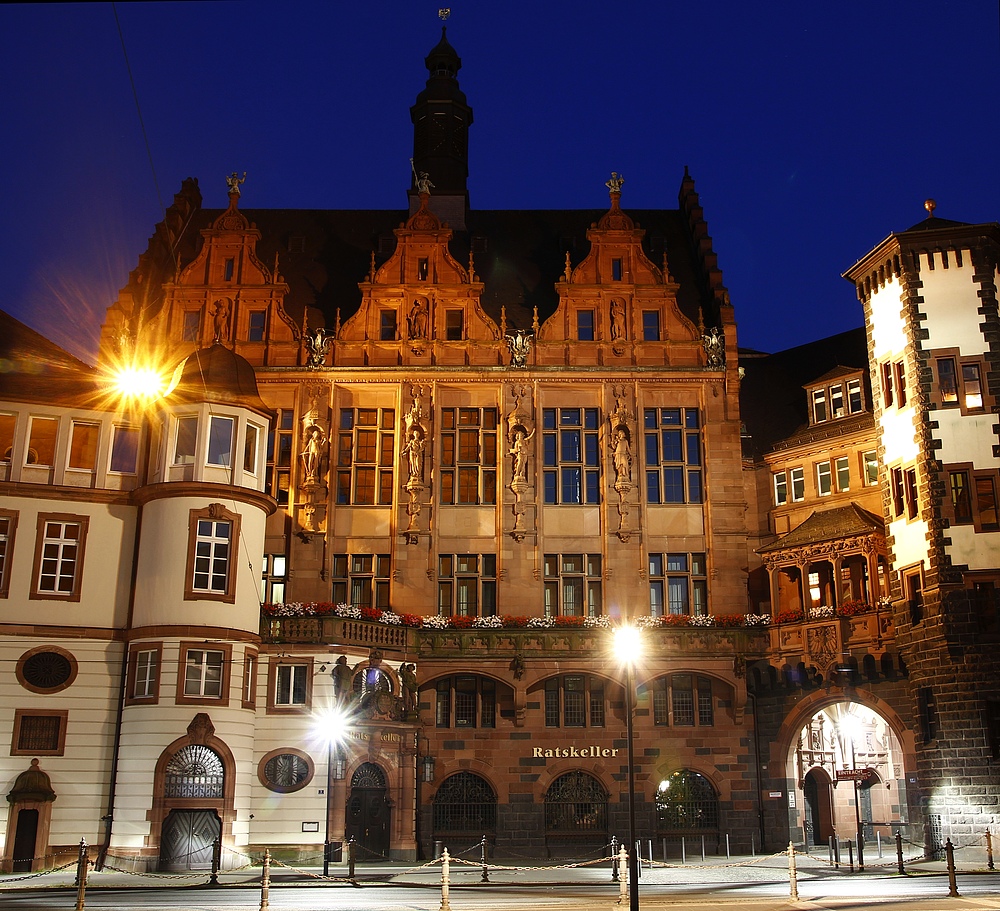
333, 727
628, 646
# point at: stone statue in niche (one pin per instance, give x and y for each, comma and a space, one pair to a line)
622, 456
414, 452
343, 680
518, 451
416, 319
408, 679
520, 430
618, 328
221, 320
312, 454
621, 434
415, 434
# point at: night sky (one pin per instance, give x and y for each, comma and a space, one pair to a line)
812, 130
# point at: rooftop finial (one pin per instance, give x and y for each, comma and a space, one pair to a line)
444, 13
615, 184
930, 206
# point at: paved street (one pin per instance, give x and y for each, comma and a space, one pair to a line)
754, 884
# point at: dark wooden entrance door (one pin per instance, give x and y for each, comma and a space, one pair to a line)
368, 812
25, 836
188, 836
818, 809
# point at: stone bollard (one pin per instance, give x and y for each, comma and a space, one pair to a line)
989, 850
485, 878
81, 875
622, 876
213, 879
614, 859
445, 871
899, 851
265, 880
793, 879
350, 858
949, 853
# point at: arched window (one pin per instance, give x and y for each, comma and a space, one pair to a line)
465, 803
194, 771
576, 802
687, 801
368, 775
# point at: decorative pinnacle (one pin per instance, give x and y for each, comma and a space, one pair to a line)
615, 184
444, 13
930, 206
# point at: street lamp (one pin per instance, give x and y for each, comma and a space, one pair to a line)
332, 727
628, 648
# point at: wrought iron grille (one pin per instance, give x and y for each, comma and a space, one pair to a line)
465, 803
687, 800
368, 775
194, 771
576, 802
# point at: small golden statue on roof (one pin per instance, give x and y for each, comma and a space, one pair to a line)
233, 182
615, 184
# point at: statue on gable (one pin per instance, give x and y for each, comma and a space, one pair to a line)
221, 320
714, 341
615, 184
317, 345
618, 328
233, 182
519, 345
312, 454
421, 180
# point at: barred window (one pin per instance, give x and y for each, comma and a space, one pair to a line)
365, 456
687, 801
361, 580
570, 455
468, 470
574, 701
465, 802
673, 455
40, 733
572, 585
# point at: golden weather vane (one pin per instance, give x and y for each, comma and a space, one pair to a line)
444, 13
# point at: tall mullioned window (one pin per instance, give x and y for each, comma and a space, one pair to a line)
467, 585
673, 455
572, 585
279, 455
361, 580
678, 584
574, 701
468, 469
365, 455
570, 455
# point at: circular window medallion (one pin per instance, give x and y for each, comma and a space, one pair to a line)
46, 670
285, 770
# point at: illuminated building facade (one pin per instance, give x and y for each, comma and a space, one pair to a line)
446, 448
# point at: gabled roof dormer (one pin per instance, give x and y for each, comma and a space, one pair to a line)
839, 393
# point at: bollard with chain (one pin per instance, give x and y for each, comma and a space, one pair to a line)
81, 853
989, 850
445, 870
949, 852
213, 880
485, 878
793, 879
899, 851
81, 875
614, 859
350, 858
622, 876
850, 854
265, 880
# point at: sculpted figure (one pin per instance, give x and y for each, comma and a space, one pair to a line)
622, 456
615, 184
221, 319
408, 677
519, 453
312, 454
233, 182
417, 318
414, 452
342, 679
617, 319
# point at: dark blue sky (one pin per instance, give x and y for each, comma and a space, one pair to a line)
812, 130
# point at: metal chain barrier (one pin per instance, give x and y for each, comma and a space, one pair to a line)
14, 879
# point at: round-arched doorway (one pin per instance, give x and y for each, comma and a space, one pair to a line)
465, 809
368, 812
576, 816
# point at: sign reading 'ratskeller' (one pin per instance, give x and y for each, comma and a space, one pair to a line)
592, 752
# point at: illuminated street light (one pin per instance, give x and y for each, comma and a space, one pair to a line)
628, 649
332, 727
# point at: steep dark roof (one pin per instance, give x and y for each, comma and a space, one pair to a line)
36, 370
519, 254
827, 525
772, 403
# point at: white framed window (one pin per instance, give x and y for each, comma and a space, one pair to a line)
819, 405
824, 479
780, 488
220, 441
59, 551
124, 449
842, 466
42, 434
837, 401
251, 442
8, 423
212, 547
203, 672
291, 684
186, 439
146, 673
8, 526
274, 577
870, 462
83, 442
797, 477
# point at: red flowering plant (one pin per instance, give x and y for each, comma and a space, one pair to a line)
371, 613
853, 608
515, 622
790, 616
729, 620
461, 622
575, 622
411, 620
674, 620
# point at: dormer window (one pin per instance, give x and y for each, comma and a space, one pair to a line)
836, 402
833, 401
855, 402
819, 406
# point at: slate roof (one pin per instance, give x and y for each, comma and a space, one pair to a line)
772, 404
827, 525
